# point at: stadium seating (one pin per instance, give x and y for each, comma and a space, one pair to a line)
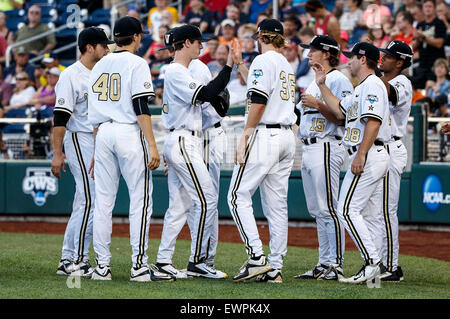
99, 16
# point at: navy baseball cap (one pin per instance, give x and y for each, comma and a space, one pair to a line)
127, 26
168, 40
401, 51
93, 36
187, 32
366, 49
323, 43
270, 25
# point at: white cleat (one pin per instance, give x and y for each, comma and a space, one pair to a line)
141, 274
203, 270
101, 273
367, 273
171, 270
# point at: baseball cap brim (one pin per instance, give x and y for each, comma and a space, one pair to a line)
167, 47
387, 52
348, 54
305, 46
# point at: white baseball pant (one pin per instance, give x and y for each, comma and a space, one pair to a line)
321, 167
358, 192
269, 157
79, 149
183, 152
121, 149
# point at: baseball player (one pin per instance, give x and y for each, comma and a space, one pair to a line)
71, 127
183, 149
395, 58
120, 86
366, 115
265, 155
322, 158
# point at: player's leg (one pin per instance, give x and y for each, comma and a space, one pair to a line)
107, 176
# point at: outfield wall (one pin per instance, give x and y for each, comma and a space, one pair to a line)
28, 187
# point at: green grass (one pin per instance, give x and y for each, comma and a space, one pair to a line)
28, 264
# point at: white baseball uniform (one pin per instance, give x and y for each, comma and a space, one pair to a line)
183, 151
268, 157
399, 156
71, 97
322, 158
180, 202
120, 149
369, 100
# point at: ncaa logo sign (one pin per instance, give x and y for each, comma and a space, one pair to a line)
433, 197
39, 183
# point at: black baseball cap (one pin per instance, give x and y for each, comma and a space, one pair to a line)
399, 50
270, 25
366, 49
93, 36
187, 32
168, 40
127, 26
323, 43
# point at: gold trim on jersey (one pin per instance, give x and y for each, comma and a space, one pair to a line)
142, 94
62, 109
259, 92
390, 248
377, 117
194, 97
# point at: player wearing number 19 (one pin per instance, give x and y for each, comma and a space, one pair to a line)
366, 115
119, 91
265, 155
322, 158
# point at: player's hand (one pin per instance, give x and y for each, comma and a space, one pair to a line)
309, 101
358, 164
230, 61
166, 167
91, 168
321, 75
154, 158
236, 51
240, 151
445, 128
58, 163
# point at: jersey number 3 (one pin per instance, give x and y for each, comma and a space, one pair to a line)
288, 84
107, 85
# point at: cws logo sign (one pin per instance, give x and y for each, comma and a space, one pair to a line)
39, 183
433, 197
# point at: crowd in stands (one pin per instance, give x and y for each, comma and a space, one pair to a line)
27, 89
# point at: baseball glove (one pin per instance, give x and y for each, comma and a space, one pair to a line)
221, 102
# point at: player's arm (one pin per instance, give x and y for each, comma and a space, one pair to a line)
60, 119
236, 51
370, 135
309, 101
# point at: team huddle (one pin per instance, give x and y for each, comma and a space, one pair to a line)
102, 126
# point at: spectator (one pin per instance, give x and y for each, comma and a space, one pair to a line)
50, 60
91, 5
21, 97
261, 16
352, 18
407, 6
290, 52
161, 58
377, 36
429, 38
6, 90
147, 38
45, 98
6, 5
33, 28
291, 24
256, 8
417, 13
5, 153
4, 31
440, 87
326, 22
248, 49
21, 63
248, 28
210, 51
403, 29
304, 73
216, 5
244, 9
221, 59
443, 14
39, 71
149, 55
344, 39
238, 90
228, 32
376, 13
108, 4
155, 15
232, 12
199, 16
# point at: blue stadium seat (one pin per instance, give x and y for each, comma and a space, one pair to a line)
97, 17
12, 23
15, 128
15, 13
33, 2
65, 37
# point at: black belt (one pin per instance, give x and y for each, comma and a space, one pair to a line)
352, 150
193, 133
217, 125
396, 138
378, 143
313, 140
276, 126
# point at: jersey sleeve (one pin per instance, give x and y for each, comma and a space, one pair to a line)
341, 88
373, 101
401, 92
141, 80
186, 87
64, 94
345, 103
259, 79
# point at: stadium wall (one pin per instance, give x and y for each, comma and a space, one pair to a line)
28, 188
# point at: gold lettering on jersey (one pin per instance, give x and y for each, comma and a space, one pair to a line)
352, 135
318, 124
288, 85
248, 103
352, 112
165, 108
104, 90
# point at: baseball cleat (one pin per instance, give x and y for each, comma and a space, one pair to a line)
273, 276
156, 275
334, 272
141, 274
171, 270
101, 273
83, 269
314, 273
367, 273
252, 268
395, 276
65, 267
203, 270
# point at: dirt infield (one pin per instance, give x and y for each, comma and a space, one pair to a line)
412, 242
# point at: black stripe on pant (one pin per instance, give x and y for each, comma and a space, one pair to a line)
387, 220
